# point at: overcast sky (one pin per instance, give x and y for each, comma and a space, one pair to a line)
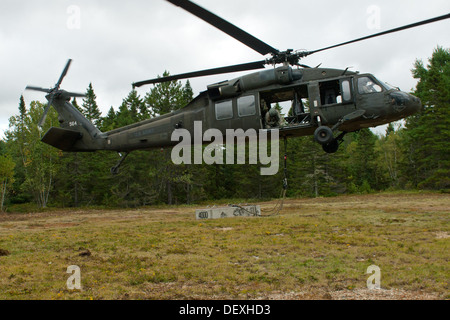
115, 43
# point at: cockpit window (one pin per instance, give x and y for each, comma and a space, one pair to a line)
368, 85
387, 86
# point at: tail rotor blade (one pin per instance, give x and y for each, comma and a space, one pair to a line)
63, 74
76, 95
38, 89
55, 93
44, 115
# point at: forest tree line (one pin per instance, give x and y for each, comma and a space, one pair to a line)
414, 155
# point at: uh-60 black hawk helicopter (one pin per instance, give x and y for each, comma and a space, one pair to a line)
325, 102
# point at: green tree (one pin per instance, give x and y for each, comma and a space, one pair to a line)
75, 104
307, 166
37, 160
77, 174
188, 93
164, 98
389, 157
89, 106
15, 142
6, 177
361, 165
110, 121
167, 96
131, 110
426, 142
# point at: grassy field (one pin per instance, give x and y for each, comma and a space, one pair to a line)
314, 249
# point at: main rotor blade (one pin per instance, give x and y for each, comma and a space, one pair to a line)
38, 89
208, 72
225, 26
63, 74
412, 25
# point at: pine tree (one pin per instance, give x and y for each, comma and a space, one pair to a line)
75, 104
167, 96
188, 93
308, 168
164, 98
109, 122
131, 110
361, 164
22, 109
78, 176
389, 157
6, 176
426, 140
38, 161
90, 108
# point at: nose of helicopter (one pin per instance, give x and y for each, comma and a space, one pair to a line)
413, 105
405, 103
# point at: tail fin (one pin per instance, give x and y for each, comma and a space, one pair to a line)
76, 133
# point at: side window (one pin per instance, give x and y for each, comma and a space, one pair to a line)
367, 85
246, 106
346, 91
224, 110
330, 92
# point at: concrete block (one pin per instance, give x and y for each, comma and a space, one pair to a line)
227, 212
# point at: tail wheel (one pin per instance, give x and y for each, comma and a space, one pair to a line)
323, 135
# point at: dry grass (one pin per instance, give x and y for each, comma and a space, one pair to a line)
315, 249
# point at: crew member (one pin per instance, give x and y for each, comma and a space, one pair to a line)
273, 119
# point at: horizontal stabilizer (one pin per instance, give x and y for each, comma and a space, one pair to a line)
60, 138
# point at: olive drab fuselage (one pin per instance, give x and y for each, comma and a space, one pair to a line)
320, 97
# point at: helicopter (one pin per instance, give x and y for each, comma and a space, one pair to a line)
326, 103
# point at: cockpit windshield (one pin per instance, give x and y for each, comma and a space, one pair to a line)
368, 85
387, 86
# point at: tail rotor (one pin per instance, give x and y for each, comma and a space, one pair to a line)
55, 92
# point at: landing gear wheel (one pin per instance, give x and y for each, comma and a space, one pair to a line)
331, 147
323, 135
